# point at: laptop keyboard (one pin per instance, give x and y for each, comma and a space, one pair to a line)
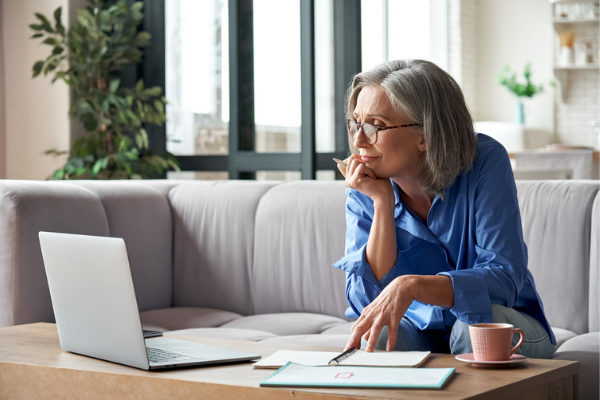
160, 355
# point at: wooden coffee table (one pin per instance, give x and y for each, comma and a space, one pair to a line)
32, 365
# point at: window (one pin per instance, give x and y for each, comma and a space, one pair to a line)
256, 87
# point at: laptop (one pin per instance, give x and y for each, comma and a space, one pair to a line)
97, 313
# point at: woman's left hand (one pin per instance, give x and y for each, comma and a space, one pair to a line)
386, 310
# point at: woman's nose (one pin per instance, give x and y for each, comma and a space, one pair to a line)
360, 140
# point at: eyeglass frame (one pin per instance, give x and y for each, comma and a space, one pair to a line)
376, 127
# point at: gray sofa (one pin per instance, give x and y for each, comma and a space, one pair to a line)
252, 260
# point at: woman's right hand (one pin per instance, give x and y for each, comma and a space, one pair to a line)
362, 178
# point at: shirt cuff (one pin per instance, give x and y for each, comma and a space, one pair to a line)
356, 263
472, 303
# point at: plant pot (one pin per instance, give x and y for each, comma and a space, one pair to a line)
519, 113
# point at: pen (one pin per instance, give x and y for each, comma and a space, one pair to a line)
343, 356
343, 164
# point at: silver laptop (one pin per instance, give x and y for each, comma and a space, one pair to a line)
96, 310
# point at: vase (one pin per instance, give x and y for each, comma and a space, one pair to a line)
519, 113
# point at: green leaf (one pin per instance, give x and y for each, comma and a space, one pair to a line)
37, 68
57, 50
51, 41
139, 86
36, 27
97, 167
37, 35
57, 18
159, 106
42, 19
59, 174
142, 39
122, 117
114, 85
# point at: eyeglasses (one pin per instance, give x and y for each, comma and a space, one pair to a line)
371, 132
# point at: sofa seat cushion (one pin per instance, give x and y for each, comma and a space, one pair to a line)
225, 333
187, 317
341, 329
562, 335
284, 324
585, 349
331, 340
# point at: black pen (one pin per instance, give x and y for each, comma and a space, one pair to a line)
343, 356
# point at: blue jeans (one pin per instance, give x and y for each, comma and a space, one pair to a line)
537, 342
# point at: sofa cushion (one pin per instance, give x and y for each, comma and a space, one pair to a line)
338, 341
213, 237
225, 333
300, 232
585, 349
286, 323
341, 329
556, 227
562, 335
140, 214
186, 317
594, 315
27, 207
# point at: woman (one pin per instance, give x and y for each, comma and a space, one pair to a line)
434, 239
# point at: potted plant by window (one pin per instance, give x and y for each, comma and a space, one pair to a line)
104, 40
508, 79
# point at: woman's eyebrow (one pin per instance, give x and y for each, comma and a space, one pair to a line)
379, 116
374, 116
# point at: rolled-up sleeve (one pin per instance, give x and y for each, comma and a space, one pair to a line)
361, 285
500, 268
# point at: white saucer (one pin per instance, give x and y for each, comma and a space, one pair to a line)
468, 357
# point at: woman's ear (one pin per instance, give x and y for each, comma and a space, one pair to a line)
422, 144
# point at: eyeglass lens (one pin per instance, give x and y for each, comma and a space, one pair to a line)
368, 130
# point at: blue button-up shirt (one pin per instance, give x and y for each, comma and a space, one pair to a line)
474, 236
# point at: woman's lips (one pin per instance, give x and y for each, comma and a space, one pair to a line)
368, 158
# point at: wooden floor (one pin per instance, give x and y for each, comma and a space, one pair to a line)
32, 365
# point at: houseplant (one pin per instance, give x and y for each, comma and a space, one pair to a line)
508, 79
104, 40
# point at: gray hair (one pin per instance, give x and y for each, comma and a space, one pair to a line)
426, 95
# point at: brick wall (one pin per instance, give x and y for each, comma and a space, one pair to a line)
579, 104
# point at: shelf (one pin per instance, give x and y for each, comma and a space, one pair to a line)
576, 67
575, 21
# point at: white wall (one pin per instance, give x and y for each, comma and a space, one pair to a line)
515, 32
36, 110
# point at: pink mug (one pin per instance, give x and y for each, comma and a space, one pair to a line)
491, 342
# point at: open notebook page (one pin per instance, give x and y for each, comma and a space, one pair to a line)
360, 358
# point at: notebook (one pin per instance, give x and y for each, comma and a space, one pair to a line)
97, 313
296, 375
359, 358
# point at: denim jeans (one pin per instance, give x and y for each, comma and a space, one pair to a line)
537, 342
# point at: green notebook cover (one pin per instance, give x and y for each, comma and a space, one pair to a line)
297, 375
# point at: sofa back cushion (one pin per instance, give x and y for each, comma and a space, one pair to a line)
213, 243
139, 212
594, 324
556, 218
299, 233
27, 207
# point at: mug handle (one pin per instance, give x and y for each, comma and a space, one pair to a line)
521, 339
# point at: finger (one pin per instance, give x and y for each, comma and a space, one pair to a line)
352, 164
342, 169
354, 341
374, 335
367, 335
392, 337
363, 171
